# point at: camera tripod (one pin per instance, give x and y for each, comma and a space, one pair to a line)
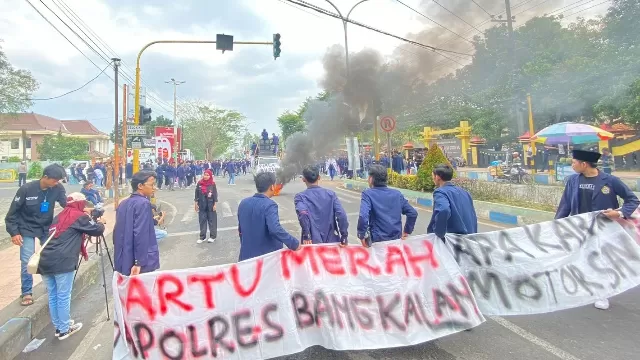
101, 247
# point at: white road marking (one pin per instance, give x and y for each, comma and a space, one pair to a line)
188, 215
533, 339
174, 210
348, 193
226, 209
345, 200
229, 228
99, 322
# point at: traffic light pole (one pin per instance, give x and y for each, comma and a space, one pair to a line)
136, 119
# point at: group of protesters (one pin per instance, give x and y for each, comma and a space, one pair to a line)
321, 216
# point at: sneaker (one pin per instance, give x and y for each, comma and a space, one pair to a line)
602, 304
211, 240
200, 241
72, 330
71, 322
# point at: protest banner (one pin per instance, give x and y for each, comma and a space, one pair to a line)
396, 293
550, 266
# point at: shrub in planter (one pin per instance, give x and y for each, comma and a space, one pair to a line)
35, 170
433, 158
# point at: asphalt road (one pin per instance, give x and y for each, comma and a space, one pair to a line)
582, 333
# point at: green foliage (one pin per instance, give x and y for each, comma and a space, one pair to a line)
35, 170
209, 131
433, 158
150, 126
13, 159
16, 88
290, 123
409, 182
62, 148
538, 197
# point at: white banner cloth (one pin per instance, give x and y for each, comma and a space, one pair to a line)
396, 293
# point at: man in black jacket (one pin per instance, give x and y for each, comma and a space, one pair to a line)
30, 215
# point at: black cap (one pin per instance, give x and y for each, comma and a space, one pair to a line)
587, 156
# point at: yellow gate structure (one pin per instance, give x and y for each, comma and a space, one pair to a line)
8, 175
463, 133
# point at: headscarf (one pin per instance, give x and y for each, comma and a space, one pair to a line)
204, 184
70, 214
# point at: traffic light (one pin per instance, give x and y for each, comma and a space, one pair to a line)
276, 46
145, 115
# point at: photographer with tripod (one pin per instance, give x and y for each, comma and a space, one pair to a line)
59, 260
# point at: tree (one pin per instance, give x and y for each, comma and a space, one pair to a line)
433, 158
209, 131
290, 123
150, 126
16, 88
63, 148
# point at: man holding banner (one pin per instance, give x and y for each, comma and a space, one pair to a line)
591, 190
320, 212
258, 222
453, 210
381, 210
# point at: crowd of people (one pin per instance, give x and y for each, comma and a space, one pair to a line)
321, 217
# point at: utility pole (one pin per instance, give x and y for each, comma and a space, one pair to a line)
125, 121
512, 55
175, 117
116, 155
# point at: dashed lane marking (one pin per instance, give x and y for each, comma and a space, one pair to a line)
226, 209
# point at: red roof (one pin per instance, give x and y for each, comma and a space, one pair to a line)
81, 127
526, 135
33, 122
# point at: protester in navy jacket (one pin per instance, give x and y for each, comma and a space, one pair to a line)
381, 210
453, 210
258, 222
591, 190
134, 241
319, 211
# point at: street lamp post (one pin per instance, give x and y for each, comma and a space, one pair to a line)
175, 117
116, 155
346, 57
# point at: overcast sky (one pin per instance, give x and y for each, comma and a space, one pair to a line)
247, 79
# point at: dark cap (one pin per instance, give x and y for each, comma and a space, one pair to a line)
587, 156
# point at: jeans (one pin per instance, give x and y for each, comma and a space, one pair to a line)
22, 179
59, 288
232, 178
160, 234
26, 250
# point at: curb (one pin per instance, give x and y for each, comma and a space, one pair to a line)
21, 326
493, 212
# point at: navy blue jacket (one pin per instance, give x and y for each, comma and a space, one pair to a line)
134, 237
453, 212
170, 171
605, 196
381, 210
181, 173
318, 210
259, 228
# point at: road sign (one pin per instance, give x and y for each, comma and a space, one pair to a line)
136, 142
135, 130
388, 123
148, 143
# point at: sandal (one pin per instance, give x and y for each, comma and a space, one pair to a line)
26, 300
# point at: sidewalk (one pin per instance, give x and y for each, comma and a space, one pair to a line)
10, 265
631, 175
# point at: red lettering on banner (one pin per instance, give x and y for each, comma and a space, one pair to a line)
235, 280
137, 294
172, 296
331, 260
395, 257
414, 260
359, 259
207, 282
298, 257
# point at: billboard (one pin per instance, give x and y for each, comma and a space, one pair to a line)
452, 148
165, 143
144, 155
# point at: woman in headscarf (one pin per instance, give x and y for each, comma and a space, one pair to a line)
59, 260
206, 198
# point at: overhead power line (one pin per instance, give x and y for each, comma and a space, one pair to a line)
456, 15
329, 13
433, 21
590, 7
72, 91
483, 9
